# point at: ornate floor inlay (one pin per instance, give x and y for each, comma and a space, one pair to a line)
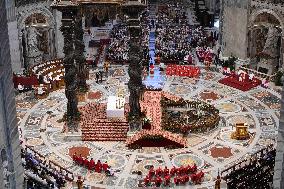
39, 121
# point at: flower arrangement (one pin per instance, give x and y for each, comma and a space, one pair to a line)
147, 120
201, 116
230, 63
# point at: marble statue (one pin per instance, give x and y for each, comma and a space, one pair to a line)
33, 54
269, 59
271, 43
32, 40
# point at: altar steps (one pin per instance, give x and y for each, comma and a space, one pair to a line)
105, 131
95, 137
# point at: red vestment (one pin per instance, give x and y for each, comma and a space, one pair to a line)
173, 171
194, 168
151, 172
177, 180
166, 171
91, 164
86, 162
146, 181
181, 170
186, 178
187, 169
98, 167
105, 166
80, 160
75, 158
159, 171
158, 180
167, 179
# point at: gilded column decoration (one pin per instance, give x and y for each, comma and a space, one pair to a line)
70, 78
133, 9
79, 55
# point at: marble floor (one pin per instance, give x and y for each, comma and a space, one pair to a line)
39, 125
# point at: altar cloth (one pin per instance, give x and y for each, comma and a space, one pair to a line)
112, 110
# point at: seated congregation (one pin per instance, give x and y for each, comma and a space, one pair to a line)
41, 79
44, 172
178, 175
172, 48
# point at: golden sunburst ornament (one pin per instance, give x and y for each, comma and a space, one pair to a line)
187, 161
111, 162
228, 107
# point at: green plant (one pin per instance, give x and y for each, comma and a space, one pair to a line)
277, 79
83, 89
230, 63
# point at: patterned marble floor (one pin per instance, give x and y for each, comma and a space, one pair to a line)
38, 120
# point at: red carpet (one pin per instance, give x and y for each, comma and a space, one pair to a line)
84, 151
96, 127
162, 142
243, 86
155, 136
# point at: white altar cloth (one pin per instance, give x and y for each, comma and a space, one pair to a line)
112, 110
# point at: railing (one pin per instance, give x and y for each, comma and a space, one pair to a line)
258, 74
35, 182
68, 173
272, 4
257, 155
269, 1
25, 2
256, 172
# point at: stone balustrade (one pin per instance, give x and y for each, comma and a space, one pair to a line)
257, 74
268, 4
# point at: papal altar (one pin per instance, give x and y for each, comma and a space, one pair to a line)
115, 107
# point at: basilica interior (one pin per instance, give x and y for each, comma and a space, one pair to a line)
122, 94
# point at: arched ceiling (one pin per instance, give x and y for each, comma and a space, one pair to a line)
267, 18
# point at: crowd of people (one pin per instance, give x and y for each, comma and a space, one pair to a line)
204, 54
101, 128
179, 70
181, 175
254, 173
172, 33
32, 183
244, 77
42, 78
49, 72
91, 165
119, 48
176, 39
42, 172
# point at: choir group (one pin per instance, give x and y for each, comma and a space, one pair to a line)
181, 175
91, 165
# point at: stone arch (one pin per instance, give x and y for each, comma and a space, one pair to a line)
24, 13
277, 15
253, 49
30, 11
